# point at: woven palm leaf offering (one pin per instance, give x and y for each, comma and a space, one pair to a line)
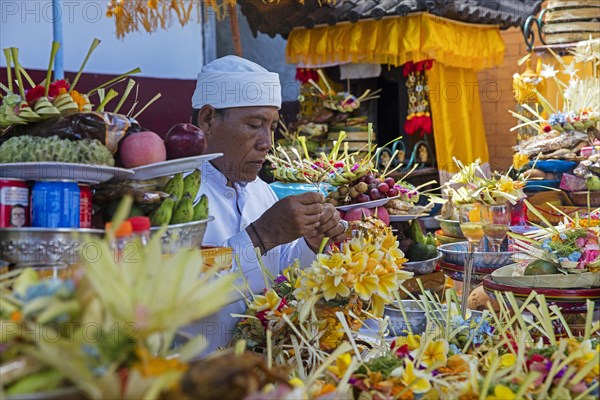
109, 331
566, 255
355, 281
55, 122
510, 353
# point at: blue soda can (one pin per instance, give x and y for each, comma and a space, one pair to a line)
55, 204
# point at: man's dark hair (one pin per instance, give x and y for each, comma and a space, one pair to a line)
195, 111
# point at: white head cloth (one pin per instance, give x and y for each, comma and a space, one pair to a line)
233, 81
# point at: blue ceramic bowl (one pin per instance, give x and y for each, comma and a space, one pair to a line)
556, 166
456, 253
282, 189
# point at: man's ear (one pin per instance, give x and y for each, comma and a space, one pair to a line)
205, 116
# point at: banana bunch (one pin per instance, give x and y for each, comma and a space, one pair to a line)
179, 207
286, 174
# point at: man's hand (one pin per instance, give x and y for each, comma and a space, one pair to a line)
289, 219
330, 226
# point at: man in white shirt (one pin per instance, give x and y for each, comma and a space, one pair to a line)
237, 103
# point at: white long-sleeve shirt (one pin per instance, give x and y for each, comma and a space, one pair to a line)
234, 208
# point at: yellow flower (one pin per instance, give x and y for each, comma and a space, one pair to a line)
415, 381
341, 365
270, 301
502, 392
506, 360
520, 160
335, 260
436, 352
412, 341
148, 365
506, 186
366, 286
296, 382
333, 284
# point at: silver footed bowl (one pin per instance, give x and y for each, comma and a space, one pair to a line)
48, 245
182, 236
456, 253
422, 267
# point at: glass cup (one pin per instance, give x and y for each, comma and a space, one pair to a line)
496, 223
469, 218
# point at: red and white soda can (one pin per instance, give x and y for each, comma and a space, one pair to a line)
85, 206
14, 203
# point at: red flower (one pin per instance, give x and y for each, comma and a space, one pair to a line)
536, 358
402, 351
32, 95
56, 86
547, 128
303, 75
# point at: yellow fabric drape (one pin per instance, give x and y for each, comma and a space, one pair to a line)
397, 40
457, 118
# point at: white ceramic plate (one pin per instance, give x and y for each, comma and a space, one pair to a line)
171, 167
403, 218
51, 170
368, 204
554, 281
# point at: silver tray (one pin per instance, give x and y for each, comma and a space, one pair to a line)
46, 245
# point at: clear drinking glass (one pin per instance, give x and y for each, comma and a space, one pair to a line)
496, 223
469, 217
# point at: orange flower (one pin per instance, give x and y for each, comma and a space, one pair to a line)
16, 316
327, 388
79, 99
455, 365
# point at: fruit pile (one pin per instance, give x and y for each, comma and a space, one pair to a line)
179, 207
166, 201
369, 188
144, 148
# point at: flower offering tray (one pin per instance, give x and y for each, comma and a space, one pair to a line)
570, 301
505, 275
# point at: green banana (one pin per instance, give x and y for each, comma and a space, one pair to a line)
162, 215
201, 209
184, 212
175, 187
191, 184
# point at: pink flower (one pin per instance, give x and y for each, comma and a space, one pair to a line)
580, 242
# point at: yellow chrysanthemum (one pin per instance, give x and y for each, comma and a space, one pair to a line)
502, 392
436, 352
270, 301
417, 383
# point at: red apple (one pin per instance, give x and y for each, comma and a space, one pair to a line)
184, 140
142, 148
393, 192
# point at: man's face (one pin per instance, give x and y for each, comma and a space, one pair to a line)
17, 216
244, 136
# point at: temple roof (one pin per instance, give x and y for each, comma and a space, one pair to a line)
281, 17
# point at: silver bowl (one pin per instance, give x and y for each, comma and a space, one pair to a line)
45, 245
182, 236
422, 267
450, 227
416, 316
456, 254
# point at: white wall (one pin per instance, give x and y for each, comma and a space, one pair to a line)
176, 53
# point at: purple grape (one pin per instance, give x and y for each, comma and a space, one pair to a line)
374, 194
393, 192
362, 198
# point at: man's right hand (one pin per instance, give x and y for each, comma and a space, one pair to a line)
289, 219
